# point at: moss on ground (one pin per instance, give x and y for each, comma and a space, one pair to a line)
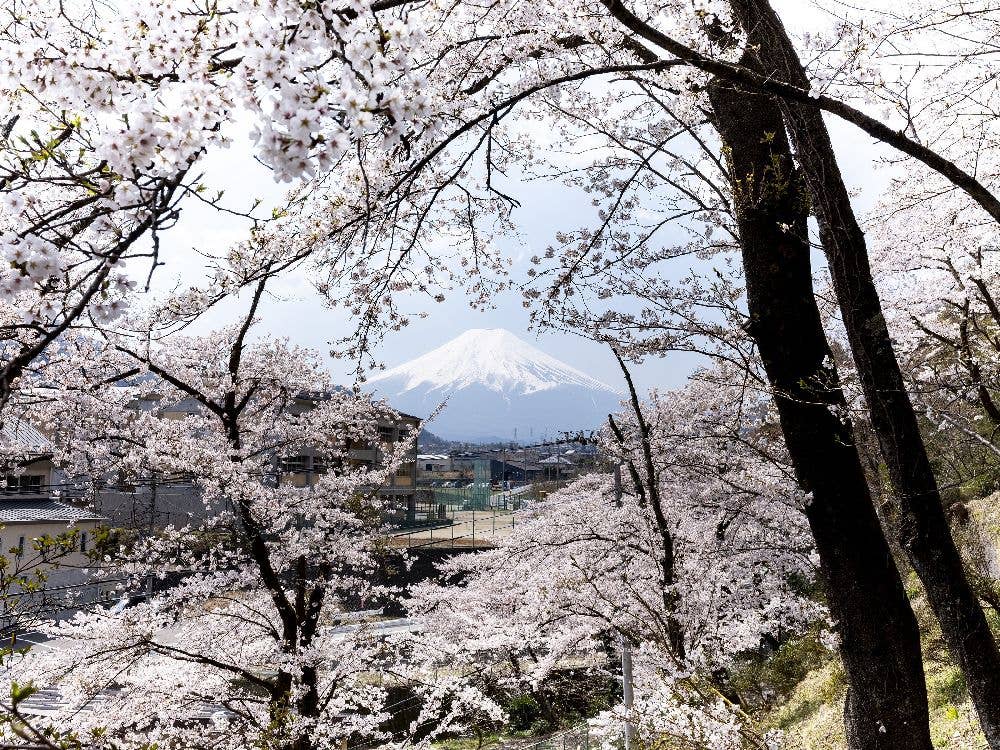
812, 715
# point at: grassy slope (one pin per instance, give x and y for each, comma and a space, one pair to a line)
811, 715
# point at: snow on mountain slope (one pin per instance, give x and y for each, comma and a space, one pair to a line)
496, 384
491, 357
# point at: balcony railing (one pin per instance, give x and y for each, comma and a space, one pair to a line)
41, 491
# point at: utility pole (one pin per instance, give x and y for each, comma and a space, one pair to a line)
627, 692
626, 651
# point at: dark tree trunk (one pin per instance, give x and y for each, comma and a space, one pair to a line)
648, 490
880, 643
924, 532
307, 705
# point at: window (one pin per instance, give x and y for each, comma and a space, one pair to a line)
83, 541
124, 483
294, 464
386, 434
319, 465
24, 483
430, 467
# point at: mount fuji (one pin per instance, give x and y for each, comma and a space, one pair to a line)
497, 387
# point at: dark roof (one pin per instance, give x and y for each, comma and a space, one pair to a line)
27, 511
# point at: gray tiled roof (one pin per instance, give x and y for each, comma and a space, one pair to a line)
24, 511
18, 435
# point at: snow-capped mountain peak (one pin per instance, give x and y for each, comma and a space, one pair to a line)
493, 358
497, 387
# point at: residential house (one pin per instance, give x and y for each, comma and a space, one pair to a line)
38, 500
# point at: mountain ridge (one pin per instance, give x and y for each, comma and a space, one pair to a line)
496, 385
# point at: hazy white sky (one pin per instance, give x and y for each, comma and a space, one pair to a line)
295, 311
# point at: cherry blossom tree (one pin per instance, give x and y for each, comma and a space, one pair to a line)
614, 249
941, 306
247, 645
586, 568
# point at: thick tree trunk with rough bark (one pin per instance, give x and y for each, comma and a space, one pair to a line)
880, 645
924, 532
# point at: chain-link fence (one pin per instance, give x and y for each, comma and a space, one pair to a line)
472, 516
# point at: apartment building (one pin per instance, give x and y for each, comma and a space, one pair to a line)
403, 501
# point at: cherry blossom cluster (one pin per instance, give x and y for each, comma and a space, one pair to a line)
305, 123
32, 260
155, 89
109, 112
